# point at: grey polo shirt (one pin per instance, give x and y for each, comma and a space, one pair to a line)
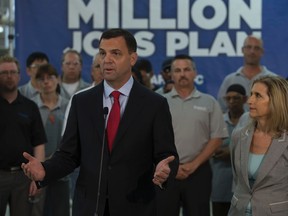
28, 90
238, 77
196, 119
53, 122
82, 85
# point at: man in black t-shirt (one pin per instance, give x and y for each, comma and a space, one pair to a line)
21, 129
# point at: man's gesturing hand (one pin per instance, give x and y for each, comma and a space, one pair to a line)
162, 171
33, 169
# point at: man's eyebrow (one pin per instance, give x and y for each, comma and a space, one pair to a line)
116, 49
113, 50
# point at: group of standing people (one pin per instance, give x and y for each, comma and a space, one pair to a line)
167, 152
258, 143
44, 89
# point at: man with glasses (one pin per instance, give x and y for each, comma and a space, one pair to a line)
21, 129
33, 62
252, 69
31, 90
71, 81
198, 128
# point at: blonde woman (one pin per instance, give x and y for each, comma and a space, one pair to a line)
259, 152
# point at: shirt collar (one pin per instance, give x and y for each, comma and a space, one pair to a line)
39, 102
194, 94
19, 98
240, 70
124, 90
226, 118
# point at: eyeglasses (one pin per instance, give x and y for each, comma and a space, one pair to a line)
249, 47
48, 78
7, 72
76, 63
35, 66
234, 98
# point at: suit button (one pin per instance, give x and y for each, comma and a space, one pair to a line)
109, 167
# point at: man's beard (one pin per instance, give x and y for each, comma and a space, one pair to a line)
7, 89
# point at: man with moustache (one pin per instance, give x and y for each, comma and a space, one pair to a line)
198, 128
252, 69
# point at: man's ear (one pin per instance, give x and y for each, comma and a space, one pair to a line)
133, 58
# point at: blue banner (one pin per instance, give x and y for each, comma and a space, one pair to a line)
211, 31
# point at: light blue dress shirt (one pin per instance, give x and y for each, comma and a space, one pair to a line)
123, 99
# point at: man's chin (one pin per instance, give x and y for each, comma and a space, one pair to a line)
7, 89
109, 77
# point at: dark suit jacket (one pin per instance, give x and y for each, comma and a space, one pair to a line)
269, 194
145, 137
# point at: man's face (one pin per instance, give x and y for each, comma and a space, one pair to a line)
116, 61
166, 74
235, 101
183, 73
252, 51
9, 77
71, 68
32, 69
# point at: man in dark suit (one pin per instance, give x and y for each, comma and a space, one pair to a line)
122, 179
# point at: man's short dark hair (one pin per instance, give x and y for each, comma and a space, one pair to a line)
166, 64
36, 56
236, 88
144, 64
183, 57
128, 37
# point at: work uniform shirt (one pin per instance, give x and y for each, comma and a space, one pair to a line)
239, 77
222, 171
196, 119
53, 122
28, 90
82, 85
21, 129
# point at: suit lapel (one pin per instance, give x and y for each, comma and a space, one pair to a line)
273, 154
97, 106
246, 139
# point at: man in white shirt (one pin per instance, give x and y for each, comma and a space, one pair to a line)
71, 80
